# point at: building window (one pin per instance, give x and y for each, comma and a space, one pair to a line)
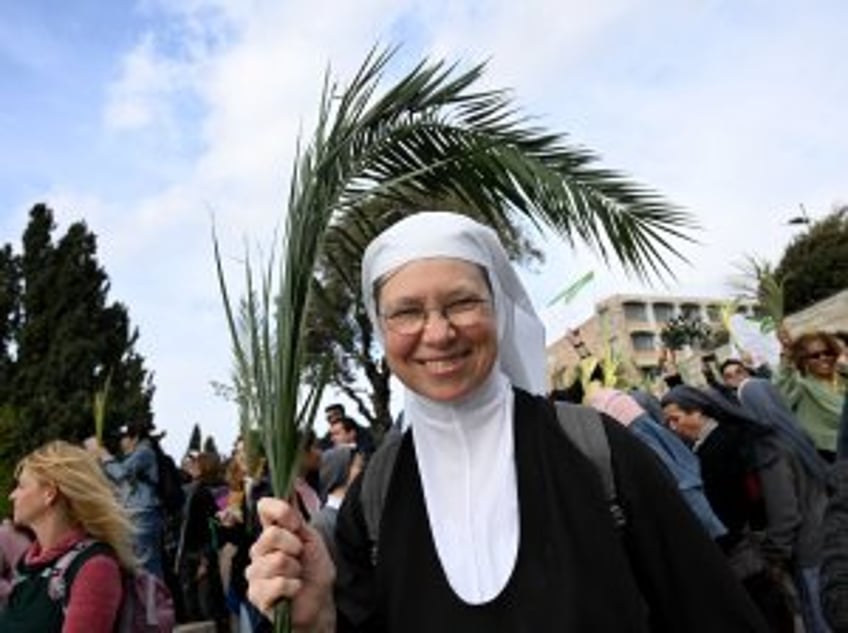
663, 312
714, 313
690, 311
642, 341
651, 372
634, 311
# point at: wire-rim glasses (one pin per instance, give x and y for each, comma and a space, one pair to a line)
460, 313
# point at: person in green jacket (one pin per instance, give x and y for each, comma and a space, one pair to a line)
811, 385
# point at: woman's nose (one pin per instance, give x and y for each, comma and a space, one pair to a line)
436, 326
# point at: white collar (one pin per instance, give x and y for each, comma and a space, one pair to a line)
466, 460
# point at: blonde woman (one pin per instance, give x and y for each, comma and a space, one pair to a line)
64, 498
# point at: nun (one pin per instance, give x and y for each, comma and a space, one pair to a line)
492, 519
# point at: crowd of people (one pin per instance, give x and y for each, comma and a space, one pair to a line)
720, 505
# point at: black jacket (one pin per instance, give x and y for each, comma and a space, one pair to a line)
661, 563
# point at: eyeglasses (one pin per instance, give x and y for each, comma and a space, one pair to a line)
460, 313
819, 355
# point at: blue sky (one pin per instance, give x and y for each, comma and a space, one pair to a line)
144, 118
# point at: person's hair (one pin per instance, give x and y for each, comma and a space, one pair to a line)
234, 475
140, 429
349, 424
842, 335
310, 440
799, 347
89, 497
208, 467
732, 361
335, 407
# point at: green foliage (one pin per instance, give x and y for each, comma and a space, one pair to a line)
681, 331
60, 339
757, 281
11, 450
815, 264
10, 291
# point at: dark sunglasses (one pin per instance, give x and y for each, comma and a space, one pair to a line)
819, 355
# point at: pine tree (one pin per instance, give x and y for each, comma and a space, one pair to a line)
195, 440
10, 290
69, 339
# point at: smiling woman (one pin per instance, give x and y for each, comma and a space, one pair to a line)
811, 385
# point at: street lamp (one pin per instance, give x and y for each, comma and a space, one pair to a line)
800, 219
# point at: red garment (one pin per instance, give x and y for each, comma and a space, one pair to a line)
96, 591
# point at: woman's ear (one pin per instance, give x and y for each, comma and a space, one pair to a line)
51, 494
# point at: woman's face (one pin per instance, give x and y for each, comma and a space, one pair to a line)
31, 498
819, 359
444, 361
686, 425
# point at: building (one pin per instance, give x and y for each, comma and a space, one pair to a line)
630, 325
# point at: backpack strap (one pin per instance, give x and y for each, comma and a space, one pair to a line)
375, 485
584, 427
60, 575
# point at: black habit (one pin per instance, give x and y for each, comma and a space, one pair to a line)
575, 571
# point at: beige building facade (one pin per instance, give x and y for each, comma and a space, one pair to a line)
630, 325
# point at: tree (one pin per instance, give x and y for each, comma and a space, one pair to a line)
10, 290
194, 442
63, 340
757, 282
681, 331
815, 264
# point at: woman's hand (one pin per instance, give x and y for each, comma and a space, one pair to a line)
289, 560
93, 446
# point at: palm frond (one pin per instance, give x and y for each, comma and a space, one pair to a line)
476, 146
756, 281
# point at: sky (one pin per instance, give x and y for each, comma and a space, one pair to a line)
148, 119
